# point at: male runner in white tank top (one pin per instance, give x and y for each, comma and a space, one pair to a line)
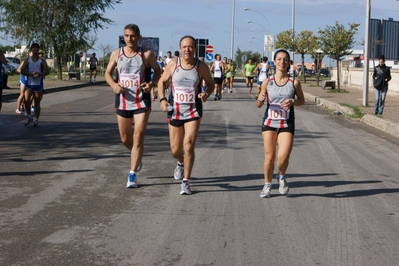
186, 99
132, 94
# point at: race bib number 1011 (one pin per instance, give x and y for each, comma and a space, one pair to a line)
277, 113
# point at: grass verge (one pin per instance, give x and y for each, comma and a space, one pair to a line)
357, 112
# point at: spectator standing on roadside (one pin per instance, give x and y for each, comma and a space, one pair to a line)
281, 93
132, 94
381, 77
184, 106
2, 61
93, 62
34, 68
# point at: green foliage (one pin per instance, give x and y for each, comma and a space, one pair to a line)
256, 57
6, 48
287, 40
356, 110
337, 42
303, 43
62, 25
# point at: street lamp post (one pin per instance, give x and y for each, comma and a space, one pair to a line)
263, 49
268, 24
265, 43
256, 43
366, 55
293, 24
232, 30
251, 30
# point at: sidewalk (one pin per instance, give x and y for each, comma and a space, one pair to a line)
388, 122
50, 85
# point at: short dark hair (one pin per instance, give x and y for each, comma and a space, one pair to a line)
35, 45
190, 37
132, 27
381, 57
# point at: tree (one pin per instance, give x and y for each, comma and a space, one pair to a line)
337, 42
105, 49
303, 43
248, 54
62, 25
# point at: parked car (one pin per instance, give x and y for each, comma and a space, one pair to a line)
309, 72
7, 69
13, 61
324, 72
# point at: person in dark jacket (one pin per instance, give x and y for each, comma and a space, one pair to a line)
3, 60
381, 77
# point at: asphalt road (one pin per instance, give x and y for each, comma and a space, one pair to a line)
63, 199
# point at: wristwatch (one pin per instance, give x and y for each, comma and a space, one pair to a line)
163, 99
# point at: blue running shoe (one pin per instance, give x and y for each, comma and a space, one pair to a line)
131, 180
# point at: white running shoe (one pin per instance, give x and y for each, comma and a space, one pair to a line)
283, 188
185, 188
17, 111
179, 172
266, 191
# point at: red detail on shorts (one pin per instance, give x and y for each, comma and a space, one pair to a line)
177, 117
123, 100
192, 114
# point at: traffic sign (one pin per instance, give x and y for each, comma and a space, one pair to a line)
209, 57
209, 48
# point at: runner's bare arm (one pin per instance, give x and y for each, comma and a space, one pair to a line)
109, 70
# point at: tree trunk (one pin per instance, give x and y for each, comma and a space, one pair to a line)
338, 74
59, 68
303, 68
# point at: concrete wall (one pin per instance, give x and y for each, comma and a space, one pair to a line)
353, 77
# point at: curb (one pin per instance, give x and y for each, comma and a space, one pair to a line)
371, 120
381, 124
328, 104
13, 96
